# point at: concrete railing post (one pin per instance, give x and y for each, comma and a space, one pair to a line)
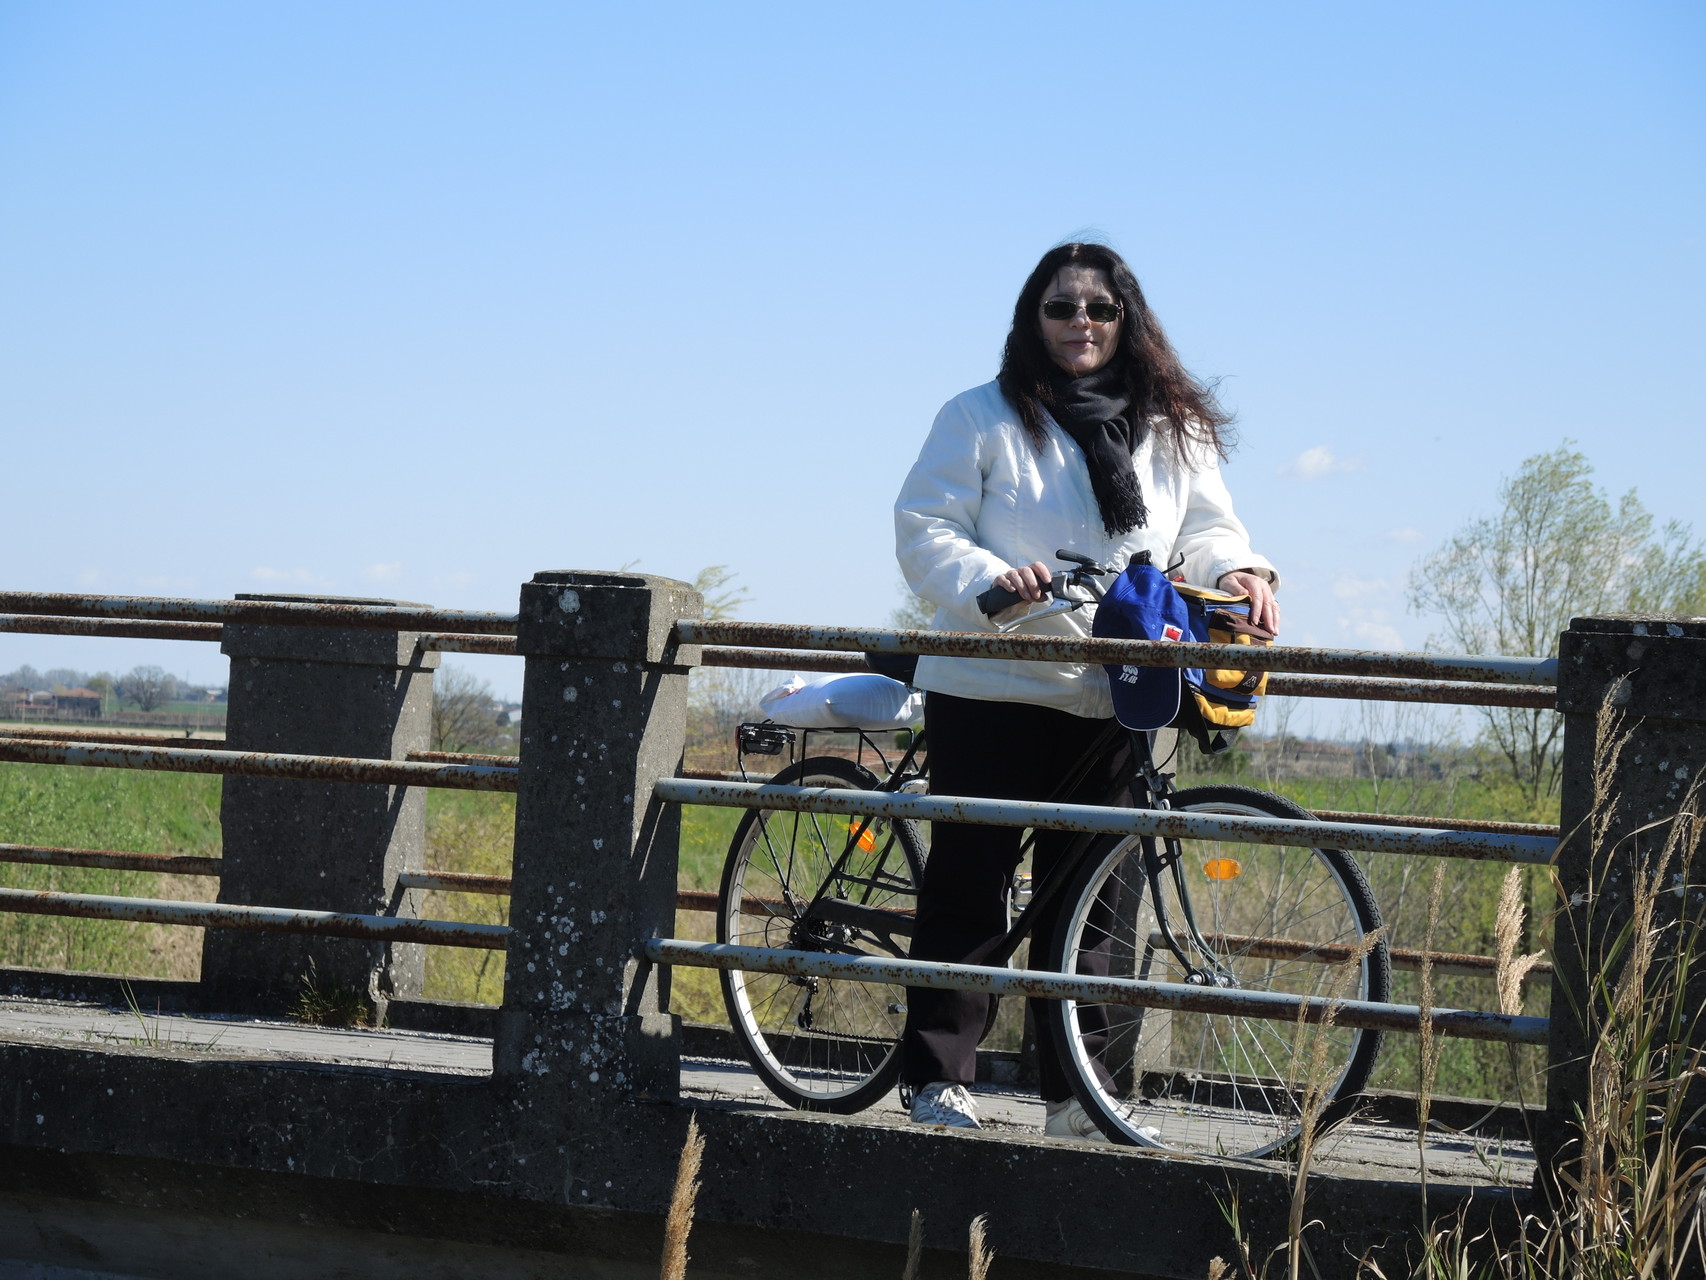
1633, 693
604, 710
324, 846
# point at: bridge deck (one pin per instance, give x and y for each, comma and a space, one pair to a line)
1358, 1149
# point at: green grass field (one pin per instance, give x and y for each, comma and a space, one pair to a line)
106, 809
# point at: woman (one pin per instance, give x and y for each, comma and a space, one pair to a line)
1093, 438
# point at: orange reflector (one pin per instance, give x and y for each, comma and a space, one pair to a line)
1223, 868
866, 839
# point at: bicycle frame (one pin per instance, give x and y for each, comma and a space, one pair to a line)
1147, 786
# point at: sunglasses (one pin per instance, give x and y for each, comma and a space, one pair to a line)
1099, 312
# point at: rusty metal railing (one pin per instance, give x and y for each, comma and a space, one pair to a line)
261, 764
44, 855
1177, 996
220, 915
271, 613
1178, 824
1296, 671
1143, 653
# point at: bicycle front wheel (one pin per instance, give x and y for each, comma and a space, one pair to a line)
825, 883
1275, 918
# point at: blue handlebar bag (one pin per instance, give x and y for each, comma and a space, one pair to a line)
1142, 605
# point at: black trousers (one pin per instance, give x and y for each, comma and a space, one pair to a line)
1006, 751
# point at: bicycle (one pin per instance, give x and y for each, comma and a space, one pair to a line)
1256, 917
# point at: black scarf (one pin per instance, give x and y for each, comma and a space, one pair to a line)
1095, 411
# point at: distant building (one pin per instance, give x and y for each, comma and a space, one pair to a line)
78, 702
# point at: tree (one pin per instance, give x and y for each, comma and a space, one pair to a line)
1558, 549
913, 613
722, 601
464, 713
148, 687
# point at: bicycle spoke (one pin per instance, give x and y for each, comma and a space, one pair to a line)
1214, 1082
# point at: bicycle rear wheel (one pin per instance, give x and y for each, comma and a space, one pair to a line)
827, 883
1280, 918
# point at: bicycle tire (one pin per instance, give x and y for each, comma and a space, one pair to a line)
1282, 918
819, 1044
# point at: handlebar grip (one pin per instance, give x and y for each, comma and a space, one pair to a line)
996, 599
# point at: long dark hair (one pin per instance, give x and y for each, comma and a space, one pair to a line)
1158, 384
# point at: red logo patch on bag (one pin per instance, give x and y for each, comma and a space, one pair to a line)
1170, 632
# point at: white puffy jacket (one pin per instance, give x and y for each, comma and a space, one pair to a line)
981, 499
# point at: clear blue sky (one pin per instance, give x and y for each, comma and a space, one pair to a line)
416, 299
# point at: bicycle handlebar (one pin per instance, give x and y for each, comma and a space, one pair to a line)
1082, 568
996, 599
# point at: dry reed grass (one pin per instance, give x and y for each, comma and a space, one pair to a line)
1314, 1042
914, 1246
679, 1222
1628, 1199
1511, 969
1428, 1046
980, 1255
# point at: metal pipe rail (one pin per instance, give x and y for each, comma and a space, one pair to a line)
1142, 653
690, 900
1461, 693
1466, 1024
219, 915
114, 737
1110, 821
129, 628
463, 757
1448, 964
1548, 831
263, 764
723, 775
454, 882
1370, 689
270, 613
177, 864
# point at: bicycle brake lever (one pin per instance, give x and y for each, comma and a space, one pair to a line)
1058, 604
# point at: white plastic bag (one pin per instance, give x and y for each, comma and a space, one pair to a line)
844, 702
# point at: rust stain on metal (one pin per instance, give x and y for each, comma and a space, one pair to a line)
464, 757
1451, 963
178, 864
454, 882
126, 627
1096, 818
1445, 692
1146, 653
274, 613
443, 642
1441, 824
782, 660
1467, 1023
261, 764
116, 737
211, 915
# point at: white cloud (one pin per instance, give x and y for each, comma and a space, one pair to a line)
1313, 464
1405, 536
384, 572
1370, 633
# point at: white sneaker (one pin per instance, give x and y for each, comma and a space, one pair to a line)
945, 1103
1068, 1119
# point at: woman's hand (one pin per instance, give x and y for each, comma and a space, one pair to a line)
1028, 581
1264, 609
